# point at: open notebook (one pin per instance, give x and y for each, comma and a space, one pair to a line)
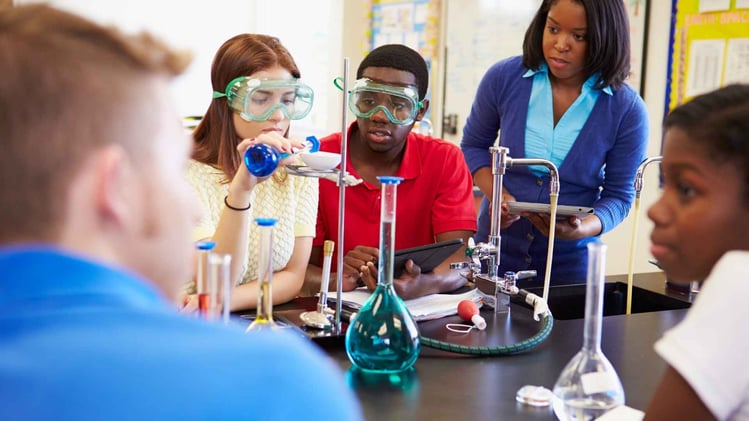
428, 307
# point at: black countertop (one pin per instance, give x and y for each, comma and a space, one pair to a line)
446, 386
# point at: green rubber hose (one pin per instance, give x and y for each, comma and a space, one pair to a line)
489, 351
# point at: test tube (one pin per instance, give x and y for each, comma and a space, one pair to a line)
201, 277
219, 283
264, 316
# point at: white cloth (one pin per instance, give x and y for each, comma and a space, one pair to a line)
292, 200
710, 346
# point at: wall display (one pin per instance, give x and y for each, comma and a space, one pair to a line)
414, 23
709, 47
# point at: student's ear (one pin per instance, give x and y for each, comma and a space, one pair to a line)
423, 110
114, 185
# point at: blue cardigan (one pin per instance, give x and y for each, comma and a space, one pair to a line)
598, 171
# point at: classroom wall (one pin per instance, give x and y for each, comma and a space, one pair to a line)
619, 239
187, 25
313, 35
319, 35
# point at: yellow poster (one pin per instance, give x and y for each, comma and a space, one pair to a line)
709, 46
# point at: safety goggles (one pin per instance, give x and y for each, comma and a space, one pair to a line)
257, 99
399, 103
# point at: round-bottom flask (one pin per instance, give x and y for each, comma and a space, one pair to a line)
261, 160
383, 336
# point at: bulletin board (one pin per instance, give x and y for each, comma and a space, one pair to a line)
709, 47
413, 23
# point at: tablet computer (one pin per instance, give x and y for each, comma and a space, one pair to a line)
563, 211
427, 257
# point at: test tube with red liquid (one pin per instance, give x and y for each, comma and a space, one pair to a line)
201, 277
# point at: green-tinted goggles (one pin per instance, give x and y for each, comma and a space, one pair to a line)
257, 99
400, 104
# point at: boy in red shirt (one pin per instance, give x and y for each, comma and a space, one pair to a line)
435, 197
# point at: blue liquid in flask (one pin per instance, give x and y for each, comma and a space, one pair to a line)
383, 336
261, 160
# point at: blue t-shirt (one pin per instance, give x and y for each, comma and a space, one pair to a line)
80, 340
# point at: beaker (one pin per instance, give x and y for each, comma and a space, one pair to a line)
589, 386
383, 336
264, 315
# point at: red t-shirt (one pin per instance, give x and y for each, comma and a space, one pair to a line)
435, 196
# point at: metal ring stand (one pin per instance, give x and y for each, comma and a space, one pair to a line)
343, 179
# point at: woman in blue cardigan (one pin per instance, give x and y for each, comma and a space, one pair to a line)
564, 100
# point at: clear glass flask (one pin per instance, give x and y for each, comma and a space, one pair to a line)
588, 386
261, 160
264, 316
383, 336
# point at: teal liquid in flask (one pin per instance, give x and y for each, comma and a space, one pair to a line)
383, 336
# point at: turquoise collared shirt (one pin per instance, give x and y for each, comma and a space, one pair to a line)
544, 140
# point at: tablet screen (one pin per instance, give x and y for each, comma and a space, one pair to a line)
427, 257
562, 210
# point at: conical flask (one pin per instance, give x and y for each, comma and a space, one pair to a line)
264, 317
589, 386
383, 336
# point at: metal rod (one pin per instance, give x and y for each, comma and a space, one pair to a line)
499, 166
342, 195
553, 171
500, 162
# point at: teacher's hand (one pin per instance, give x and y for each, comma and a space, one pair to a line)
507, 218
571, 228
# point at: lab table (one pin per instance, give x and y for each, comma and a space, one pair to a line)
448, 386
444, 386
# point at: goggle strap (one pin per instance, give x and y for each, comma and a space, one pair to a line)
228, 88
